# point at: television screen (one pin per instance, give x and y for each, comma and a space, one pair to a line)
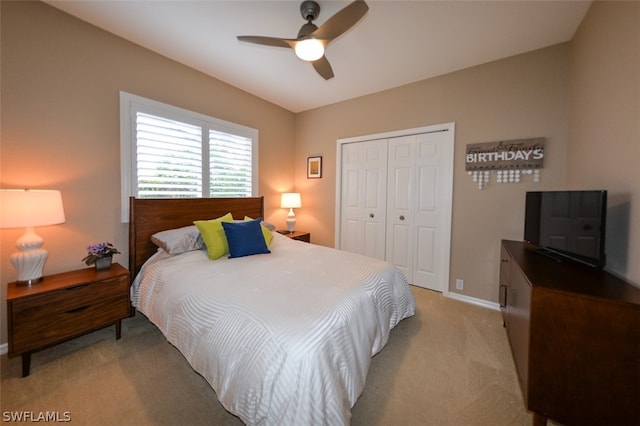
570, 224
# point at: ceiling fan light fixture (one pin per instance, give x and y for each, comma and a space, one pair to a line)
309, 49
311, 41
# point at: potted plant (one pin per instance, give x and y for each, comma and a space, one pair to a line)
100, 254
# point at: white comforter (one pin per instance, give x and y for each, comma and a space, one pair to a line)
284, 338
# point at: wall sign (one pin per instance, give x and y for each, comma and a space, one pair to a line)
509, 159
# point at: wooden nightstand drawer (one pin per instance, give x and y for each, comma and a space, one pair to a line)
42, 330
42, 305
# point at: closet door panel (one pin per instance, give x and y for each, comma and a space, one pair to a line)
399, 251
363, 208
400, 204
350, 234
402, 179
425, 247
428, 179
374, 213
430, 213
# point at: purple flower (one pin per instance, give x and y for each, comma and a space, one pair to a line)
98, 250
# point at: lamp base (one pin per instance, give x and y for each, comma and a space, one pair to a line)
29, 265
29, 261
28, 282
291, 221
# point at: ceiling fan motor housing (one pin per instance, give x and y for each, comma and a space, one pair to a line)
307, 29
309, 10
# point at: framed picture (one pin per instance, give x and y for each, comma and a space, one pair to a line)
314, 167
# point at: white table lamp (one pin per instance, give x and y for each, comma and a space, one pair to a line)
291, 200
29, 208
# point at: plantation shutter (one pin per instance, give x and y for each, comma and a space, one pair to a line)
170, 152
230, 165
169, 158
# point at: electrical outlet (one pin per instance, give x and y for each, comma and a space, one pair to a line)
459, 284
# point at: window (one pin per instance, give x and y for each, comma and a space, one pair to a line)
169, 152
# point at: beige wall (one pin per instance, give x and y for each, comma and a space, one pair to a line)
596, 77
61, 79
519, 97
604, 148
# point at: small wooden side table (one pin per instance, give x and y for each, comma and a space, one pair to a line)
64, 306
297, 235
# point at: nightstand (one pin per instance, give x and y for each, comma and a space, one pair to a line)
64, 306
297, 235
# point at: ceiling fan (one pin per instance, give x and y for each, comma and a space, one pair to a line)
312, 41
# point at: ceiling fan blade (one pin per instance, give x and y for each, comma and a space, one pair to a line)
341, 21
268, 41
323, 67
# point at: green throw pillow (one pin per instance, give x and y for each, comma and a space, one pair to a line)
214, 236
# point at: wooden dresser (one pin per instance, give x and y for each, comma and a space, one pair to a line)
64, 306
574, 332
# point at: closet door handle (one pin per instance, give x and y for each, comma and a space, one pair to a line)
371, 215
502, 296
401, 217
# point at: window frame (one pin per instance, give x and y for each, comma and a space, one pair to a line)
131, 104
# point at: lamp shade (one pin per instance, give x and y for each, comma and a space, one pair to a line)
290, 200
30, 207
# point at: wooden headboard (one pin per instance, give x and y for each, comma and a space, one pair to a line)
149, 215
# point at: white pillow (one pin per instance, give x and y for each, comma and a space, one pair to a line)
179, 240
269, 226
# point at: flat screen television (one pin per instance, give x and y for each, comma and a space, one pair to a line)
568, 225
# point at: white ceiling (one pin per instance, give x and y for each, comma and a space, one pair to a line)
396, 43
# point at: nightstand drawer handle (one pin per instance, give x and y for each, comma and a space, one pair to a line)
76, 287
80, 309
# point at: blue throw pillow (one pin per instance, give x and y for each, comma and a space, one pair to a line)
245, 238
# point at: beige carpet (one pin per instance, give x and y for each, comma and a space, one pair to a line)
450, 364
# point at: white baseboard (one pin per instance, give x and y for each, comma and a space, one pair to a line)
4, 348
474, 301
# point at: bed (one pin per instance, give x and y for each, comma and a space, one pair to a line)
284, 337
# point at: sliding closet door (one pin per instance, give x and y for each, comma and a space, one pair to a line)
363, 198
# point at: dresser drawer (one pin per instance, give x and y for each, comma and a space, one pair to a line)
41, 331
65, 299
